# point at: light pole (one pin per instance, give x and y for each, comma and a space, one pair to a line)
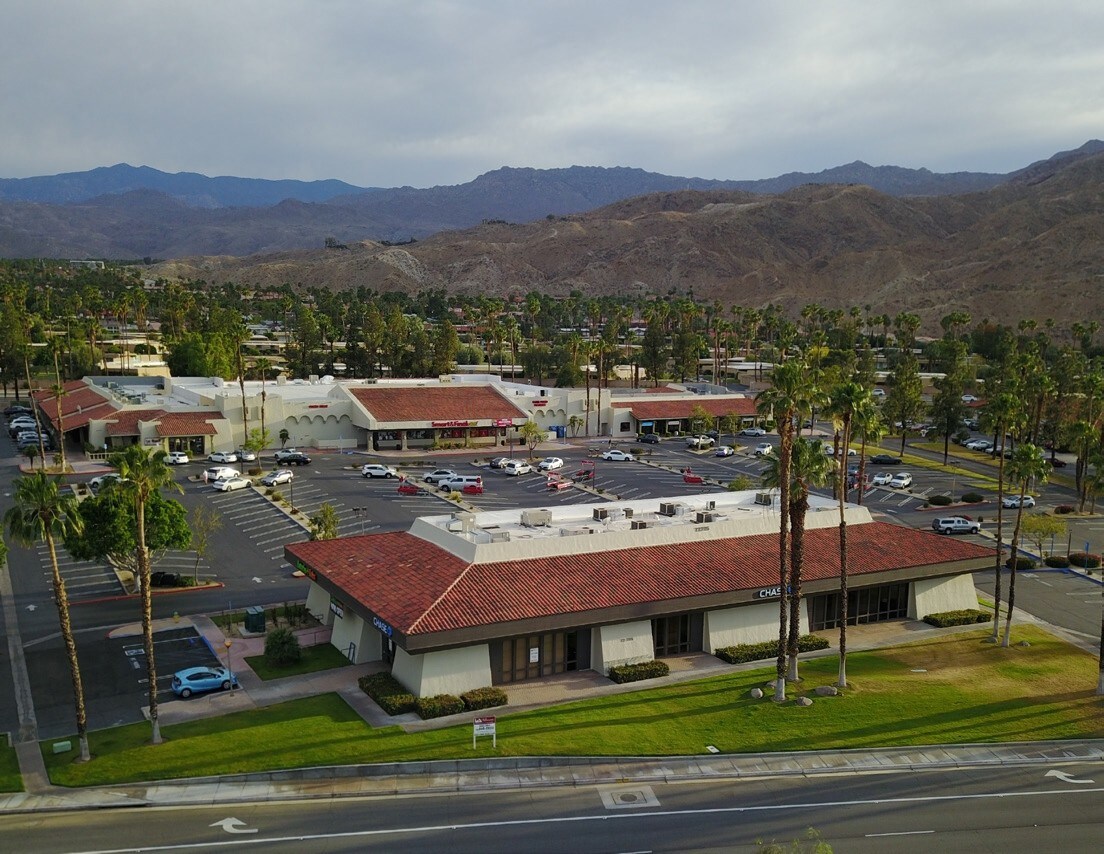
359, 512
229, 668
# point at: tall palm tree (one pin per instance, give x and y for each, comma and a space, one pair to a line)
782, 401
809, 467
871, 428
845, 400
144, 473
263, 366
1001, 412
1028, 464
42, 512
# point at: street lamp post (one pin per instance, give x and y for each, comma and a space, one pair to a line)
229, 667
359, 512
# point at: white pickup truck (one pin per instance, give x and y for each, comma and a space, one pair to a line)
699, 442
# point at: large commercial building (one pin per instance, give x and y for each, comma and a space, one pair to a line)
461, 601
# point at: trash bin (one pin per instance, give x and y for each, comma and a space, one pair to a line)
561, 431
255, 619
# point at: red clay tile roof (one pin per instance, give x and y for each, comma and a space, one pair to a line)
435, 403
125, 422
188, 423
421, 589
95, 413
80, 404
715, 405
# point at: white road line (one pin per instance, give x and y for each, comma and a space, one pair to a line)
900, 833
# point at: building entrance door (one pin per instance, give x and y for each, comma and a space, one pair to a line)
534, 656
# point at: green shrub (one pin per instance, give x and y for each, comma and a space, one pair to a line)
1063, 509
743, 652
439, 706
965, 617
1057, 561
1085, 560
1021, 563
483, 698
940, 500
282, 648
388, 692
635, 672
973, 498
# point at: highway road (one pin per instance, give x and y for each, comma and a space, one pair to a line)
1005, 809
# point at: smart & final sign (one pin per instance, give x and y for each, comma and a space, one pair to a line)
485, 725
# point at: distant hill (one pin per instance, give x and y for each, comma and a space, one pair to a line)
133, 212
1026, 248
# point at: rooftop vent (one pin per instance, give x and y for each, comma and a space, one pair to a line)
500, 537
668, 508
536, 518
601, 514
638, 524
704, 516
763, 498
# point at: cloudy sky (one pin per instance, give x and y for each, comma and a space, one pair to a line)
381, 93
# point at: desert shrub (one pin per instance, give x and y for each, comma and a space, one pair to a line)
1085, 560
1021, 563
973, 498
965, 617
388, 692
483, 698
439, 706
1063, 509
741, 483
635, 672
742, 652
1057, 561
940, 500
282, 648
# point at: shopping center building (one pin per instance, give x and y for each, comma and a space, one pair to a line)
463, 600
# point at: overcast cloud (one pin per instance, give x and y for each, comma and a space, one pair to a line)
424, 93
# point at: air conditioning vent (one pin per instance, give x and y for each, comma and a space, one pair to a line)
536, 518
500, 537
763, 498
601, 514
710, 505
704, 516
638, 524
668, 508
628, 512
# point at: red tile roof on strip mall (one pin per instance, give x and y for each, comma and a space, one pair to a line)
125, 421
79, 405
420, 588
435, 403
188, 423
718, 407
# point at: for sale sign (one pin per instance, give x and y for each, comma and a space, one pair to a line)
485, 725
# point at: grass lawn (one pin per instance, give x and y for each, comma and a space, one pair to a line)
320, 657
10, 781
948, 689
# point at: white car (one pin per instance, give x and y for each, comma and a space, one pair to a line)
246, 456
978, 445
830, 450
882, 478
177, 458
229, 484
617, 456
438, 475
764, 449
217, 473
550, 464
377, 470
100, 481
753, 431
222, 457
901, 480
1013, 501
724, 451
969, 398
516, 467
877, 392
275, 478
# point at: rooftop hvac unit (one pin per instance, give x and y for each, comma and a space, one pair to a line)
763, 498
638, 524
668, 508
628, 512
601, 514
536, 518
681, 509
704, 516
466, 520
500, 537
710, 505
574, 532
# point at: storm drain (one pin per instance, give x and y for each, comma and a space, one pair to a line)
628, 797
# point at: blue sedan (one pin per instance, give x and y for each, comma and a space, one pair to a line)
196, 680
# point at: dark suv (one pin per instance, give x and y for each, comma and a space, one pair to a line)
295, 458
648, 438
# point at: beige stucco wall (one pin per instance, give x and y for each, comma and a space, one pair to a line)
352, 629
624, 643
934, 595
749, 624
318, 604
447, 671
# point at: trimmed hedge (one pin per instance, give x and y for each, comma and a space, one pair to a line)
940, 500
743, 652
388, 692
1063, 509
439, 706
1085, 560
965, 617
1057, 561
1021, 563
483, 698
972, 498
635, 672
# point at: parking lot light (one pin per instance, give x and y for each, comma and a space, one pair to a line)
229, 668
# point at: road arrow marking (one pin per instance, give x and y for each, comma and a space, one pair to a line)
233, 825
31, 607
257, 580
1066, 778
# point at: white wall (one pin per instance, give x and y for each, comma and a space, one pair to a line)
624, 643
352, 629
448, 671
934, 595
749, 624
318, 604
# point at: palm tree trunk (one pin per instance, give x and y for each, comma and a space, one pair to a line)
785, 432
841, 679
147, 623
797, 560
1000, 549
1013, 564
61, 599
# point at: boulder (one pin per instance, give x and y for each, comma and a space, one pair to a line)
757, 693
826, 690
804, 701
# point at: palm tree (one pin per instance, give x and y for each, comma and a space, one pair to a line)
782, 401
1028, 464
1001, 412
871, 428
263, 366
809, 467
845, 401
42, 512
144, 473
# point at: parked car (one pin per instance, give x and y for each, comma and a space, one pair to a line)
377, 470
296, 459
177, 458
882, 478
700, 442
753, 431
164, 579
1013, 501
196, 680
978, 445
216, 473
1057, 462
498, 462
222, 457
275, 478
16, 409
648, 438
616, 455
229, 484
877, 392
438, 475
286, 452
550, 464
517, 467
471, 483
246, 456
100, 481
955, 525
830, 450
901, 480
885, 460
764, 449
724, 451
969, 398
